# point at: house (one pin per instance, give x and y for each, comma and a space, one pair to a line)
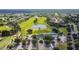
63, 38
53, 20
53, 35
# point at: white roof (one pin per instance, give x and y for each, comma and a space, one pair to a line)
38, 26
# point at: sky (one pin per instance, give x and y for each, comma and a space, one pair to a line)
39, 4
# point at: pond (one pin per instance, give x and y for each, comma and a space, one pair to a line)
39, 26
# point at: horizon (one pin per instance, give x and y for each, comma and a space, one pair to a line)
39, 10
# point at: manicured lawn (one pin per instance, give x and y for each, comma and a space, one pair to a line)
41, 20
62, 46
29, 23
63, 30
5, 28
24, 27
6, 41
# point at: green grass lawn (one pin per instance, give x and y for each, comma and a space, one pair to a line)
6, 41
63, 30
25, 25
29, 23
5, 28
62, 46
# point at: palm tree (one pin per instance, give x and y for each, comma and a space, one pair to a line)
35, 21
34, 42
47, 39
29, 31
17, 41
70, 46
55, 30
24, 44
5, 33
41, 41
